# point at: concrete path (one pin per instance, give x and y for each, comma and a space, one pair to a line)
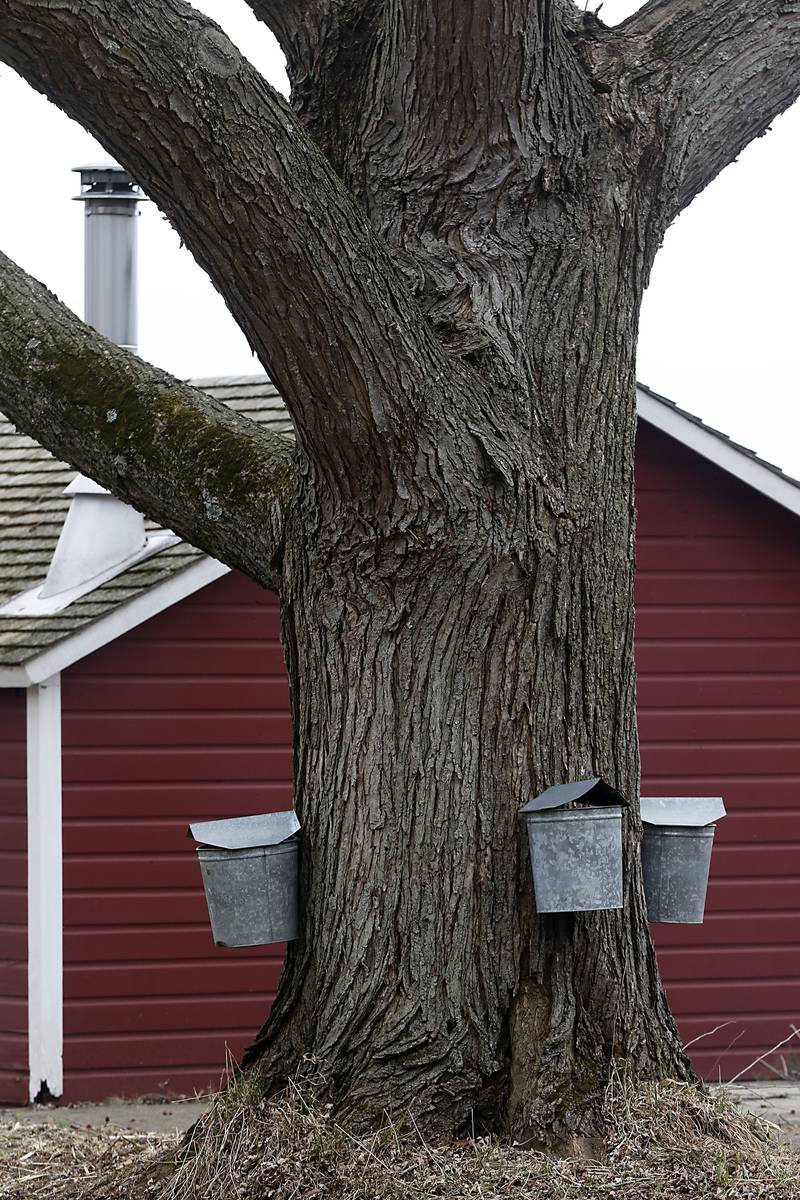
163, 1117
776, 1100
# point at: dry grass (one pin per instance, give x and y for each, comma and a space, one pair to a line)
38, 1161
663, 1142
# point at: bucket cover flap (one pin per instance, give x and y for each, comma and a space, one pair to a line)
682, 810
589, 791
244, 833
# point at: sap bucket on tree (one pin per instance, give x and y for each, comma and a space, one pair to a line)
677, 839
575, 839
249, 867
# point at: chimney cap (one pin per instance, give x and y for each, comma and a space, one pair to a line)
107, 181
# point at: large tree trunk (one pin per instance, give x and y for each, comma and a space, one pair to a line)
445, 665
463, 638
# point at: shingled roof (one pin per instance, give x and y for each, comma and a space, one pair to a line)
33, 508
32, 512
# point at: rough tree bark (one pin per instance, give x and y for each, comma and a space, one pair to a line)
215, 477
439, 252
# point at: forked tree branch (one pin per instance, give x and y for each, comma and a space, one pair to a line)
356, 65
286, 18
321, 42
186, 460
327, 58
227, 160
724, 69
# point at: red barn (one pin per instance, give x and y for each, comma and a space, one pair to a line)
158, 694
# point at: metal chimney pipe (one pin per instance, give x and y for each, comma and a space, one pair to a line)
112, 201
101, 536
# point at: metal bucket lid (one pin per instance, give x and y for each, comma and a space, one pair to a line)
612, 813
595, 792
242, 833
682, 810
215, 853
652, 833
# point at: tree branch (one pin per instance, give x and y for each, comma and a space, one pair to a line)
228, 161
451, 72
328, 52
289, 18
186, 460
723, 69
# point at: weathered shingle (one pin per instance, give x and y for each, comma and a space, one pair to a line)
32, 512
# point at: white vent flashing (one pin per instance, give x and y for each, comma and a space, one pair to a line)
99, 533
101, 538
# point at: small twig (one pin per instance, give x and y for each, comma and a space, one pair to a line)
729, 1046
368, 1150
766, 1054
424, 1145
775, 1071
299, 1095
707, 1033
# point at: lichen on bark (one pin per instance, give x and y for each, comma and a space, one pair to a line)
151, 439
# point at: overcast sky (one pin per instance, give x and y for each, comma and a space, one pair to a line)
720, 327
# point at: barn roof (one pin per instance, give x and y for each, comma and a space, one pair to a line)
33, 508
32, 512
718, 448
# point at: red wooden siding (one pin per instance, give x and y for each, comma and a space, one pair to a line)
13, 900
185, 717
718, 655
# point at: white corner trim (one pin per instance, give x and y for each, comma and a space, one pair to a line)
45, 900
717, 450
96, 634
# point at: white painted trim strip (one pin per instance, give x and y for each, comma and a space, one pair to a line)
717, 450
45, 900
120, 620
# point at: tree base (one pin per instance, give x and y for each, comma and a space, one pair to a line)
661, 1139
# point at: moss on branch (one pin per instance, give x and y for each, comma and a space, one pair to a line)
176, 454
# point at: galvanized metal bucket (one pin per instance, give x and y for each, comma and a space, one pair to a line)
576, 858
250, 871
677, 840
576, 853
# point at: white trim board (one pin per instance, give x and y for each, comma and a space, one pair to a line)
716, 448
99, 633
45, 900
